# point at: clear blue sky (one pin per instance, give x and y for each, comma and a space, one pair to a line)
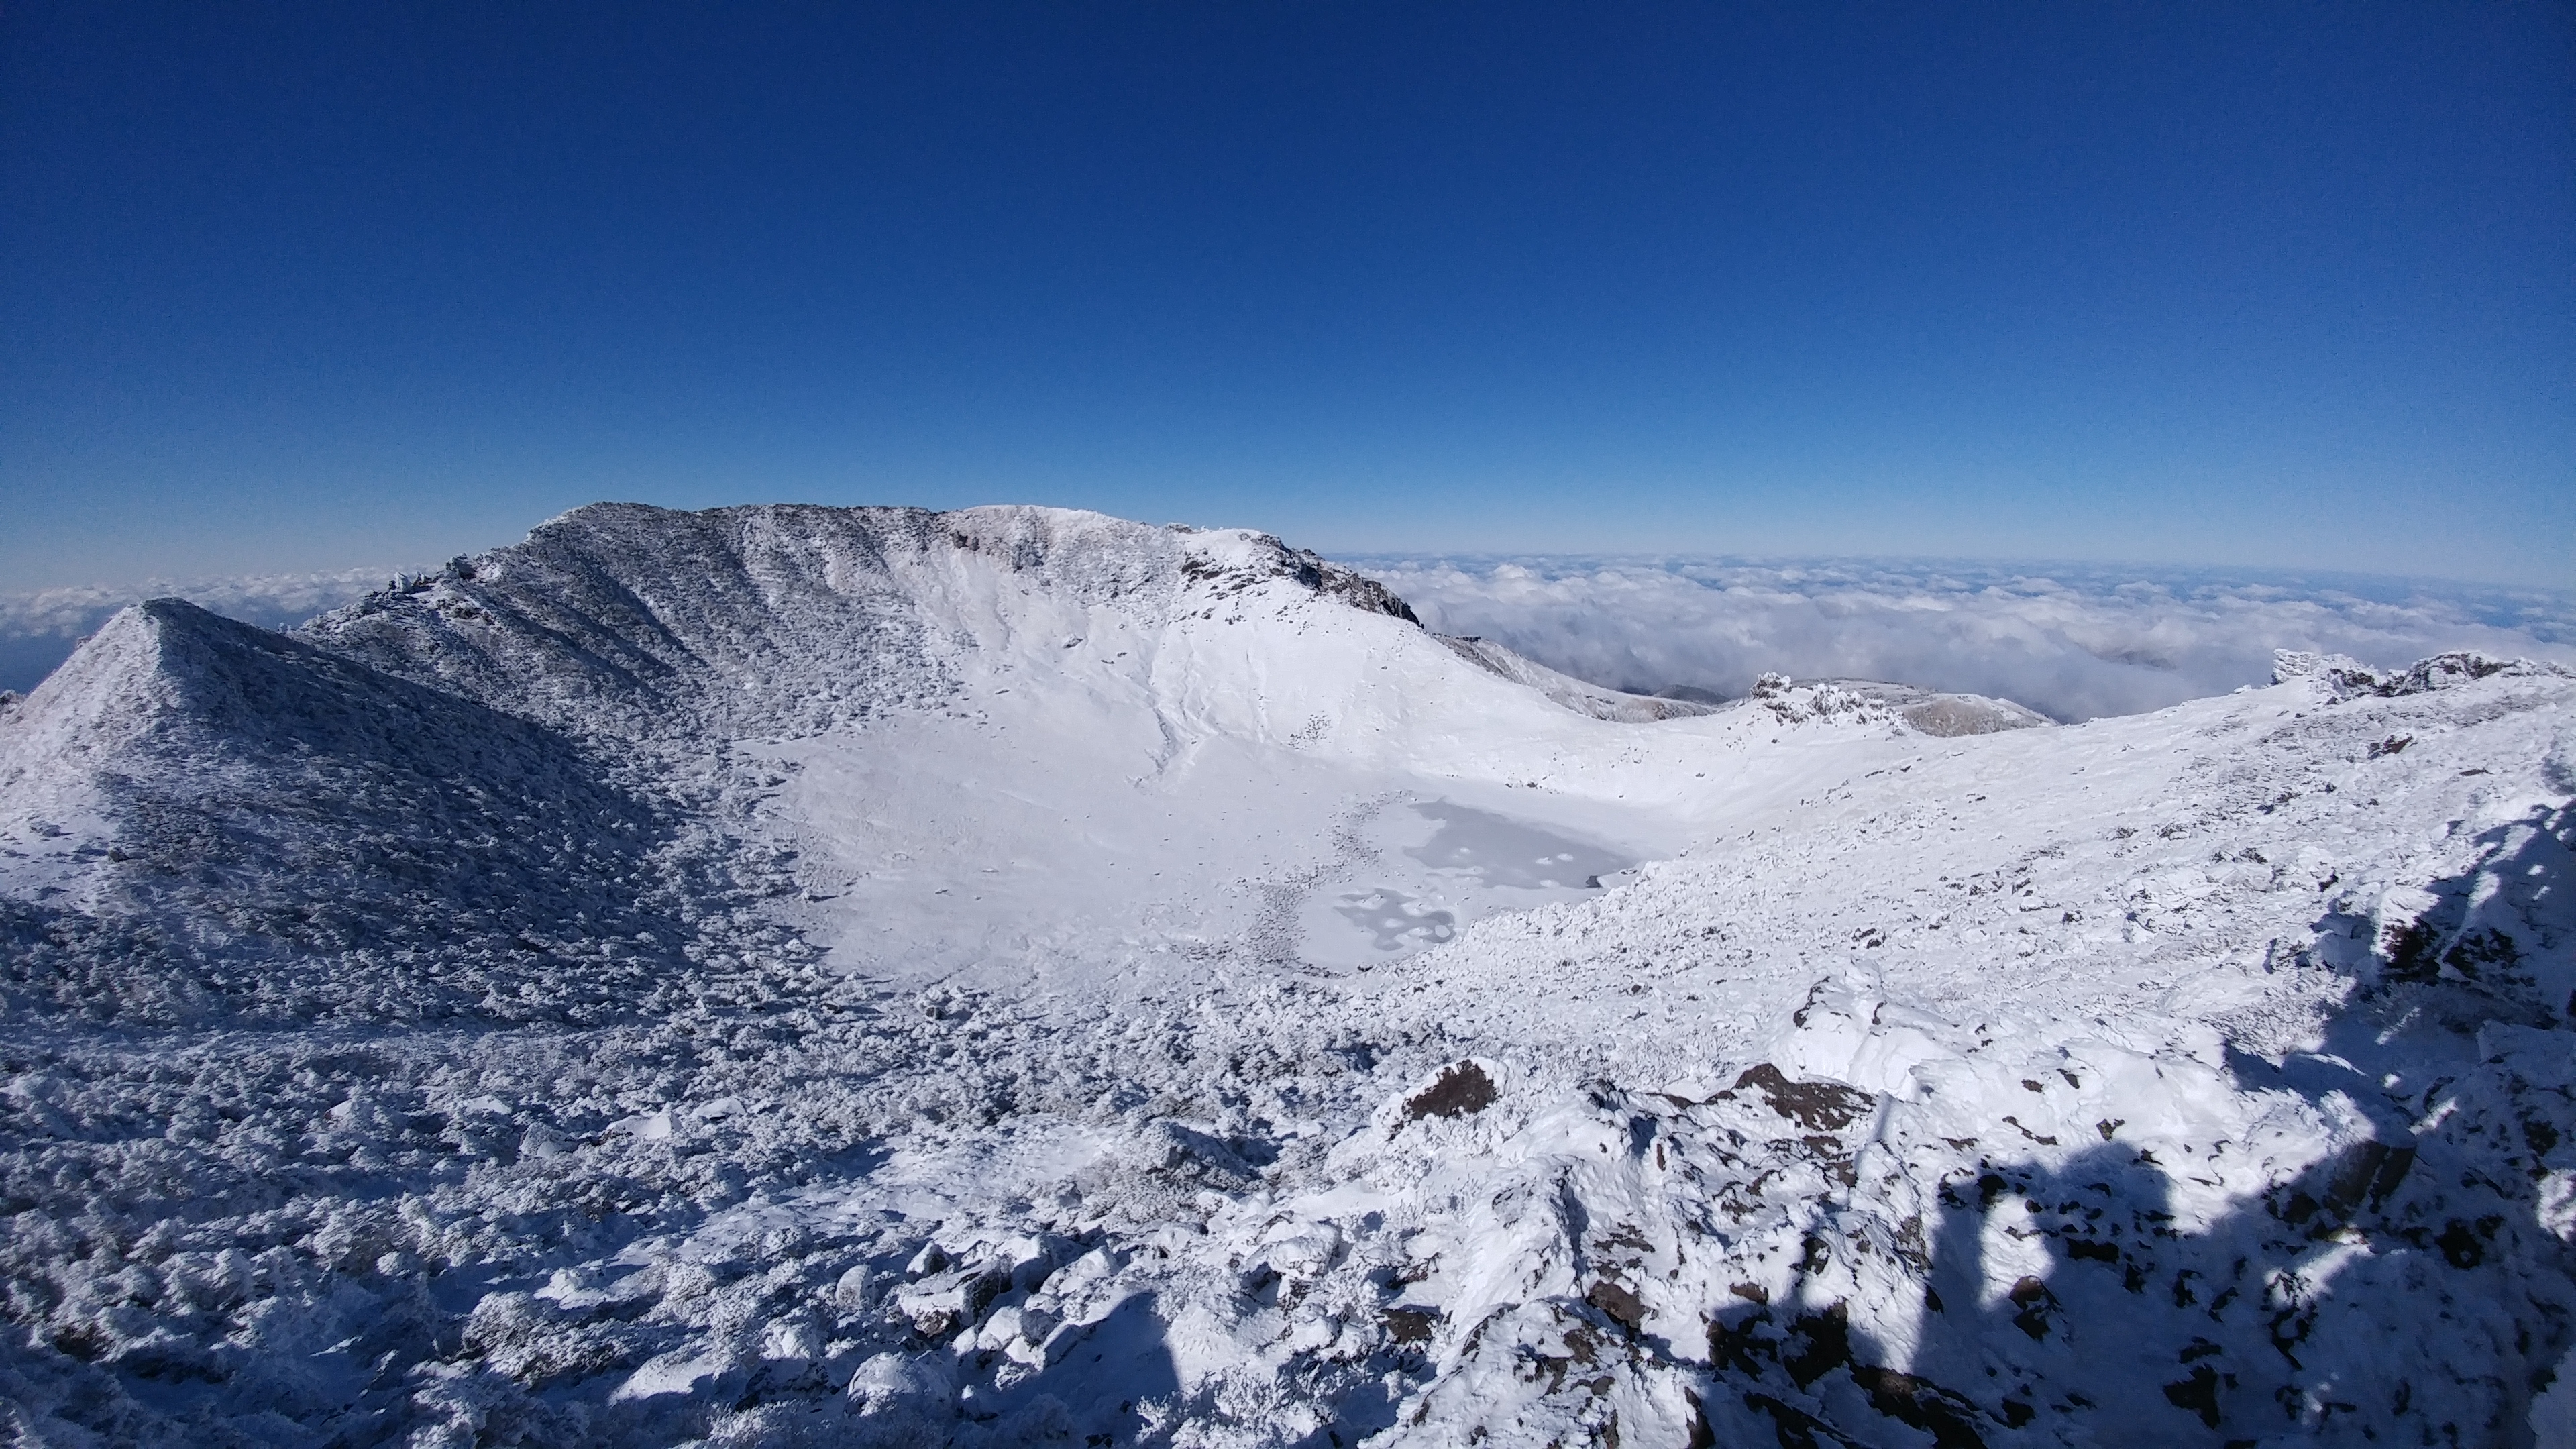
292, 286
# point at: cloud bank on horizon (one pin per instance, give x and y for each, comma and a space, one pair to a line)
2073, 641
39, 629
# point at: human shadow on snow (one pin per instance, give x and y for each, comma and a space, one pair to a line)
2405, 1288
1104, 1383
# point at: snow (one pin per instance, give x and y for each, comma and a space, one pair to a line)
868, 976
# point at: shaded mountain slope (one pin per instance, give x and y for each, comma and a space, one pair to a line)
204, 817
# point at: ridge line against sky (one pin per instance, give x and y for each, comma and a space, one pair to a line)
2258, 286
2075, 642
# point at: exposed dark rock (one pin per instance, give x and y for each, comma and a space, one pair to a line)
1621, 1305
1816, 1106
1410, 1325
1462, 1089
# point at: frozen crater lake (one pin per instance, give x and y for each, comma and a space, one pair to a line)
1434, 866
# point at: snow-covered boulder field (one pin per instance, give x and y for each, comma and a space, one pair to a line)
795, 975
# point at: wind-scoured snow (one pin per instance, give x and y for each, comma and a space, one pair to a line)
794, 975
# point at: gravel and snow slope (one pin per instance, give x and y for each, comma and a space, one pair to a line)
647, 1070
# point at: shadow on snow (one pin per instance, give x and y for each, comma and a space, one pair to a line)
2405, 1289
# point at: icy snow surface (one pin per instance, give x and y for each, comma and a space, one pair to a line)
794, 975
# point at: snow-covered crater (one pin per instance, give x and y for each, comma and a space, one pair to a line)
787, 975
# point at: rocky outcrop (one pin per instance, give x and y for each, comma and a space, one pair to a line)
2347, 678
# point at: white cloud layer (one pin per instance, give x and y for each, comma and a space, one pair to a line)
38, 630
2075, 642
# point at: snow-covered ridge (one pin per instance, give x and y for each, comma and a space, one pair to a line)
787, 619
39, 629
815, 976
1565, 689
2349, 678
205, 821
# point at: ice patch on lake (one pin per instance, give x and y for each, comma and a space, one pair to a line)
1500, 851
1434, 867
1396, 920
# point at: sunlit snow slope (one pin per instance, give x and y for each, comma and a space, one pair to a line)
794, 975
